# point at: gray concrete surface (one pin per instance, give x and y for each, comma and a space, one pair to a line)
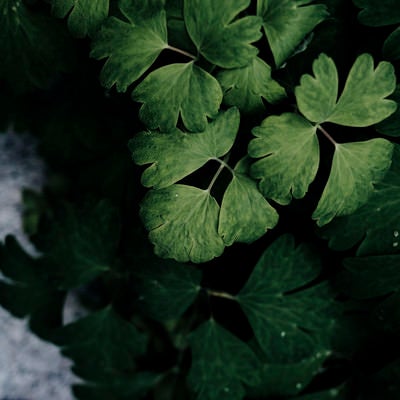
30, 369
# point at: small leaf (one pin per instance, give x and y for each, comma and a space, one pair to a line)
245, 215
362, 102
218, 36
289, 152
356, 167
287, 22
245, 87
378, 12
182, 221
221, 363
289, 323
178, 89
85, 16
130, 46
194, 150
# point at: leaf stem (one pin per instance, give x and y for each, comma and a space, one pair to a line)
183, 52
223, 295
327, 135
223, 165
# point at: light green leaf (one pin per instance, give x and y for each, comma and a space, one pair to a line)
245, 214
287, 22
182, 221
289, 151
178, 154
375, 227
85, 16
378, 12
391, 125
218, 35
133, 45
221, 364
362, 102
356, 167
289, 323
178, 89
245, 87
166, 288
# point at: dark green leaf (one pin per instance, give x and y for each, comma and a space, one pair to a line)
378, 12
392, 45
289, 322
221, 364
218, 35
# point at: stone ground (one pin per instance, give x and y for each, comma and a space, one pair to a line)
30, 369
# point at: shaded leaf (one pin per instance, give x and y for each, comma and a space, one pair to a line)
178, 90
246, 87
392, 45
287, 22
194, 150
84, 16
221, 363
356, 167
245, 214
220, 37
378, 12
289, 155
130, 46
290, 323
182, 222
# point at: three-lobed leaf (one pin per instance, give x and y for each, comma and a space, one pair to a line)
178, 90
219, 36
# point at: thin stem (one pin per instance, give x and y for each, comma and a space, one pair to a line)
185, 53
327, 135
224, 295
223, 165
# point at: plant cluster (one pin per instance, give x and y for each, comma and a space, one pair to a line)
222, 194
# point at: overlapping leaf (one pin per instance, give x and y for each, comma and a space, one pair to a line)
130, 46
178, 89
362, 102
289, 324
84, 16
219, 36
287, 22
24, 62
288, 149
356, 167
221, 368
178, 154
246, 87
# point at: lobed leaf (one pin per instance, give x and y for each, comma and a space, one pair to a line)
221, 37
378, 12
178, 90
289, 155
221, 363
287, 22
356, 167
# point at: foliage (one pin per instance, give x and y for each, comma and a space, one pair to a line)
222, 194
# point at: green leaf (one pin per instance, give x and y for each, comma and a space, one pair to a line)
290, 322
375, 227
194, 150
102, 338
24, 62
166, 289
221, 363
84, 16
356, 167
378, 12
245, 215
26, 289
245, 87
391, 125
220, 37
288, 148
287, 22
178, 90
81, 244
362, 102
391, 45
130, 46
182, 223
